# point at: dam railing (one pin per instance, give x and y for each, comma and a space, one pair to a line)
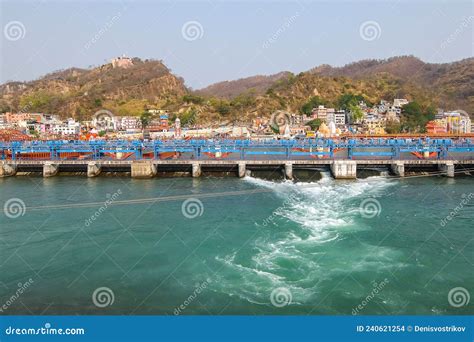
351, 149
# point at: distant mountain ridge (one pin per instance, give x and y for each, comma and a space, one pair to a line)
257, 84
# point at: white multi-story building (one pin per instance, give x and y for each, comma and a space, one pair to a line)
340, 118
319, 113
330, 115
70, 127
130, 123
323, 113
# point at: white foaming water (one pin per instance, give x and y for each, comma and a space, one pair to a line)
320, 207
289, 256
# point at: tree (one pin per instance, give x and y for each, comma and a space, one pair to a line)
4, 107
222, 107
356, 113
415, 117
313, 102
345, 101
189, 117
145, 119
243, 100
393, 127
314, 124
190, 98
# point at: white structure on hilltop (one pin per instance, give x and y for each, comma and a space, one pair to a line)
122, 62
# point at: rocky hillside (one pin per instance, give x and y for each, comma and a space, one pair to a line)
79, 92
451, 84
448, 86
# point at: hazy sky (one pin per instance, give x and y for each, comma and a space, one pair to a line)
210, 41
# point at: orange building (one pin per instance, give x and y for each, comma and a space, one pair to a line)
436, 126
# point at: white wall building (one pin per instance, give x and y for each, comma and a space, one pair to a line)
130, 123
340, 118
71, 127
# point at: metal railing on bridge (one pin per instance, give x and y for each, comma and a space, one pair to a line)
241, 149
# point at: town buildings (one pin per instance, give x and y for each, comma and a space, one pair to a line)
334, 121
450, 122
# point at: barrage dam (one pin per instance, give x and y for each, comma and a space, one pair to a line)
147, 159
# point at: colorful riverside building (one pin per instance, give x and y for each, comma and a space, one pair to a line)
458, 123
438, 126
451, 122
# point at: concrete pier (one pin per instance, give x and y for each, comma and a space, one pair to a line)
50, 169
289, 171
7, 170
344, 169
448, 168
93, 169
143, 169
196, 172
242, 170
398, 168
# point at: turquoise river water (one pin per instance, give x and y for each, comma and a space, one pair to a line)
236, 246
